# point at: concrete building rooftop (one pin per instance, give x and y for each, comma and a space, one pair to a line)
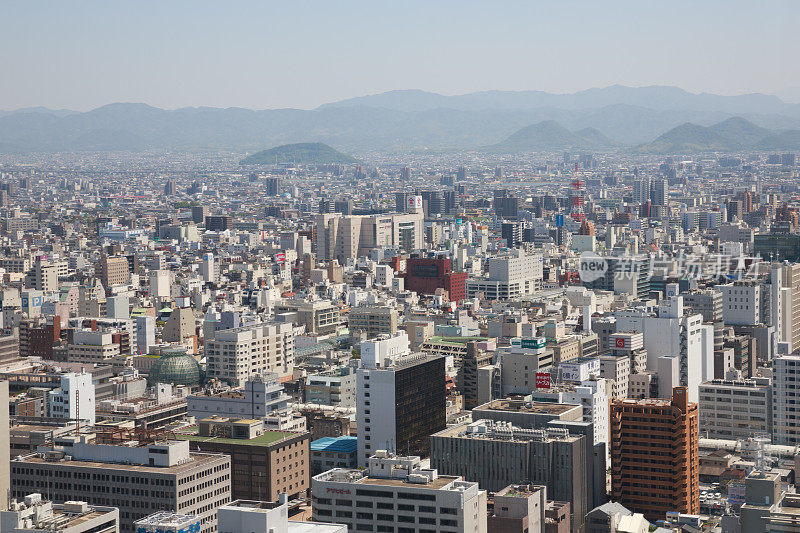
527, 407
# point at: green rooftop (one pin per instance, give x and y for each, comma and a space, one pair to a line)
267, 438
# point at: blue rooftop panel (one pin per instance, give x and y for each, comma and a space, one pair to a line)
338, 444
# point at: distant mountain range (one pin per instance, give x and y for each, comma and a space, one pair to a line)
414, 121
729, 135
300, 153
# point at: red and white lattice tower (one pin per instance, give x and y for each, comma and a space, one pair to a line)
577, 197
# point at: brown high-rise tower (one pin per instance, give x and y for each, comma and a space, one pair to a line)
655, 455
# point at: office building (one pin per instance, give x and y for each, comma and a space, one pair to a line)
273, 185
785, 405
138, 478
409, 400
496, 454
395, 492
425, 275
655, 464
468, 377
333, 452
264, 463
335, 387
373, 321
735, 409
510, 276
113, 271
320, 317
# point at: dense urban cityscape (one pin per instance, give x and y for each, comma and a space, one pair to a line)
410, 312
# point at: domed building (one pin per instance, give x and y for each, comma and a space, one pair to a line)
177, 367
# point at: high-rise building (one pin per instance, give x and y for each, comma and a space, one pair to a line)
655, 465
405, 173
641, 190
209, 268
5, 447
401, 398
785, 379
264, 464
660, 192
510, 276
425, 274
348, 237
273, 185
170, 188
199, 214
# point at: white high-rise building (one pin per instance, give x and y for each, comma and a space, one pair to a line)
676, 335
74, 399
401, 397
741, 303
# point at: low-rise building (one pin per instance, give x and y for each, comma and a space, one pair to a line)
396, 492
34, 515
137, 478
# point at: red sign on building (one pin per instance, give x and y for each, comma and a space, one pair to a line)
542, 380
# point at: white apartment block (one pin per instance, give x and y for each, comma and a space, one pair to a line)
234, 355
735, 410
397, 494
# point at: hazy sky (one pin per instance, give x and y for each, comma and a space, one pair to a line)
295, 53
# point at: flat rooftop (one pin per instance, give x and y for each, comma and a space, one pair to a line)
265, 439
437, 483
545, 408
197, 458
